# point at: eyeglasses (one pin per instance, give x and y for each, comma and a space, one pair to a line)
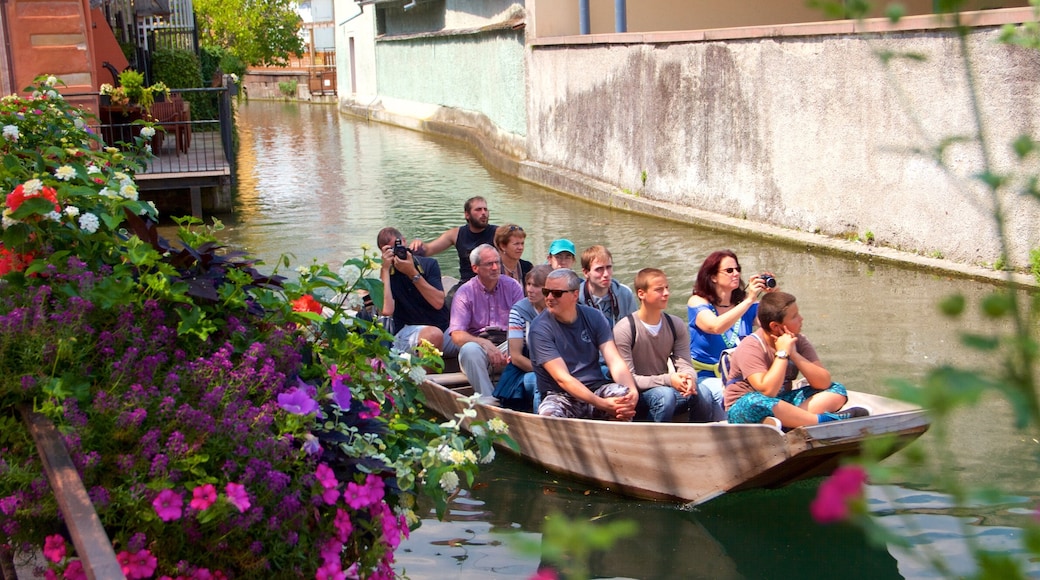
515, 228
730, 270
556, 293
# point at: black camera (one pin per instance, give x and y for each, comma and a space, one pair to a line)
769, 281
401, 250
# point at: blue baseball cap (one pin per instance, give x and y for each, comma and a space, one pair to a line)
562, 245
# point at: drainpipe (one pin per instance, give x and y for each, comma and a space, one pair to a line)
620, 16
583, 16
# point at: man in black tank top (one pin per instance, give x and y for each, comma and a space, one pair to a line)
465, 238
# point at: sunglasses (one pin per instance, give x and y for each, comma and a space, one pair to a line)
556, 293
515, 228
730, 270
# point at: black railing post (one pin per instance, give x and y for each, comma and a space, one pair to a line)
226, 128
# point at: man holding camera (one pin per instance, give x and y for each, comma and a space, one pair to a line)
465, 238
480, 317
412, 295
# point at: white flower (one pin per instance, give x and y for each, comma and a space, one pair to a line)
105, 89
444, 453
476, 430
52, 94
449, 481
147, 132
489, 457
53, 216
498, 425
51, 81
106, 192
89, 223
11, 133
65, 173
148, 147
7, 220
92, 169
72, 211
457, 457
79, 123
151, 204
128, 191
32, 187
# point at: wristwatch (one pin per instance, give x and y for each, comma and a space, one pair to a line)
416, 277
781, 354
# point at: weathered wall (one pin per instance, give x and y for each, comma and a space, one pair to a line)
802, 132
482, 72
355, 51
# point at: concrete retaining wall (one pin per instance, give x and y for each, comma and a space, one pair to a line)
807, 133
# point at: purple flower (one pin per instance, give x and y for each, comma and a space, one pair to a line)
237, 496
340, 390
297, 402
311, 445
8, 505
168, 505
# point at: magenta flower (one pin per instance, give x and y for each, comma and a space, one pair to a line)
237, 496
373, 410
168, 505
297, 402
364, 495
377, 364
203, 496
75, 571
837, 492
331, 550
54, 548
137, 565
343, 525
326, 477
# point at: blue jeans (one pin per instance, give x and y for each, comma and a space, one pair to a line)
659, 404
714, 386
531, 387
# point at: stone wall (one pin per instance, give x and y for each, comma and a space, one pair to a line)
810, 133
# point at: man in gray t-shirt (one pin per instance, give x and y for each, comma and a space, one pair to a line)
566, 343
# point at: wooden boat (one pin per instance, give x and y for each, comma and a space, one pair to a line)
688, 462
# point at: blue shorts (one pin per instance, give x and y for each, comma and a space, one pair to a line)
755, 407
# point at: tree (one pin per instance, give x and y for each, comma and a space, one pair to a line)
260, 32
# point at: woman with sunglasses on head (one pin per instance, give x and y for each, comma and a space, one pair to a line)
720, 312
509, 239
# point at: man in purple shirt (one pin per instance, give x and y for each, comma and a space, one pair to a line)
479, 312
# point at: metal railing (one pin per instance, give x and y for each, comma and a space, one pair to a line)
193, 137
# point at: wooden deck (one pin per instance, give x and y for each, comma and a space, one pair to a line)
203, 166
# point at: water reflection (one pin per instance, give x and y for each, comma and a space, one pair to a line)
319, 186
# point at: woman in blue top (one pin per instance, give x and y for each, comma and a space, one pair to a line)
721, 311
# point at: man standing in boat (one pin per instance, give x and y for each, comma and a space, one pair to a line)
412, 295
567, 340
600, 290
648, 340
465, 238
480, 317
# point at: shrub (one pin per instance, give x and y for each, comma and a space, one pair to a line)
224, 421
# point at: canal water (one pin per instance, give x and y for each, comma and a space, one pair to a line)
318, 186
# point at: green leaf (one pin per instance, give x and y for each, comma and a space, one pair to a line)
1023, 146
33, 206
980, 342
997, 304
895, 12
952, 306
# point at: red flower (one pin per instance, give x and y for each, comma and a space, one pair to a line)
837, 493
17, 197
306, 303
13, 261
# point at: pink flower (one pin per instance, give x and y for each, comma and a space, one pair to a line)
203, 496
168, 505
343, 525
837, 492
75, 571
331, 550
330, 571
373, 410
326, 477
363, 495
545, 574
54, 548
237, 496
137, 565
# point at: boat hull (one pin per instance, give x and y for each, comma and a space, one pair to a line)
688, 462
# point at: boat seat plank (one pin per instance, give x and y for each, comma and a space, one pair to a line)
449, 379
